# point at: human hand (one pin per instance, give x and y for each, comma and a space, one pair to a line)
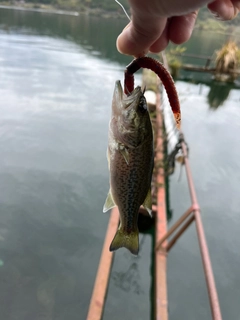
156, 22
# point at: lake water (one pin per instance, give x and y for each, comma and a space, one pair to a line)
57, 76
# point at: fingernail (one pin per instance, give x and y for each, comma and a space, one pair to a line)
216, 15
236, 11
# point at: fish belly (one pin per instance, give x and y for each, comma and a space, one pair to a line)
130, 183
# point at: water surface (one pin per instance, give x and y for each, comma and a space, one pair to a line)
57, 76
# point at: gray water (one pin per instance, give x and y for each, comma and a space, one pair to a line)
57, 75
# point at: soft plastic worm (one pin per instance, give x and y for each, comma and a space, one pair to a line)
164, 76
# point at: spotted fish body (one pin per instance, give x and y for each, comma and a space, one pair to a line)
130, 157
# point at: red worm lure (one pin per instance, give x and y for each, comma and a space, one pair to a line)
164, 76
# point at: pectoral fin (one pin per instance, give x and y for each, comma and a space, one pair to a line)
109, 203
124, 152
148, 203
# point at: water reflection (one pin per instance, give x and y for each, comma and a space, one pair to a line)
94, 34
53, 168
218, 94
128, 280
44, 237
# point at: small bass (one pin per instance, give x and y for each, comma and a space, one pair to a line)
130, 160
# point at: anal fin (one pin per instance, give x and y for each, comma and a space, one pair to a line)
109, 203
147, 204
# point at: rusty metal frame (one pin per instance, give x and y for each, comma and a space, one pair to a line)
160, 213
98, 298
193, 214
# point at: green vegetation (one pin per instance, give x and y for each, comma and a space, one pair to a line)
174, 60
228, 57
227, 61
218, 94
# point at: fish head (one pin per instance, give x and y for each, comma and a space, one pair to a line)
130, 112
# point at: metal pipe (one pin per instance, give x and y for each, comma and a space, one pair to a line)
179, 233
161, 302
174, 227
212, 292
97, 302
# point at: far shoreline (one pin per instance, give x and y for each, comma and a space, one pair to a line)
38, 7
208, 24
50, 10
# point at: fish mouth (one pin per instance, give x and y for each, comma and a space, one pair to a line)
131, 100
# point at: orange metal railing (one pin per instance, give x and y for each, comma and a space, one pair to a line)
193, 214
160, 299
98, 298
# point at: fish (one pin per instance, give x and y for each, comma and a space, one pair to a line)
130, 160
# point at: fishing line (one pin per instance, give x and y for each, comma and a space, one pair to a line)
180, 173
124, 10
140, 246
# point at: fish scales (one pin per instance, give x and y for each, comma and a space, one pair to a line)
130, 156
130, 182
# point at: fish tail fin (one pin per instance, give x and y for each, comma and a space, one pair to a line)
127, 240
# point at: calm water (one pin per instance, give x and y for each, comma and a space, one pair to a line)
57, 75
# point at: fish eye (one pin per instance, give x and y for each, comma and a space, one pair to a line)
142, 105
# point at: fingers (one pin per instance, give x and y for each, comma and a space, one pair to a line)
161, 42
180, 28
149, 31
138, 37
177, 30
225, 9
